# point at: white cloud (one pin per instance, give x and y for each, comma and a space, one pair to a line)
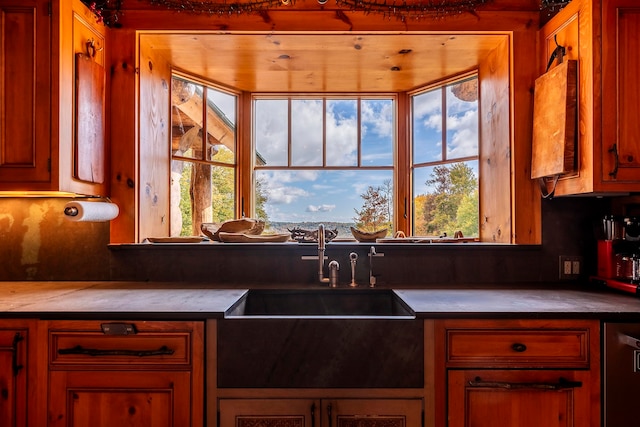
379, 120
342, 134
320, 208
464, 141
285, 195
427, 104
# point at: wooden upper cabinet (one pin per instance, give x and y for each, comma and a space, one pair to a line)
25, 93
608, 142
54, 54
621, 91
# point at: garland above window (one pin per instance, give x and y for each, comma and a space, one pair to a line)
400, 9
552, 6
108, 11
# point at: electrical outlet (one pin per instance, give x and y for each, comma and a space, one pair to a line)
570, 267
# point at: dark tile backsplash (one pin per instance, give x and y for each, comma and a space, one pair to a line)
37, 243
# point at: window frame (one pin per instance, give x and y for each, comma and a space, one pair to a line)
442, 86
235, 166
324, 96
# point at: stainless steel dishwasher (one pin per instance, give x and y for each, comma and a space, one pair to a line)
621, 374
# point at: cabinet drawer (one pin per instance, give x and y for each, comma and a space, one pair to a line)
139, 344
518, 347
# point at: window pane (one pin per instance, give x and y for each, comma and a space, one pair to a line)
445, 199
212, 198
462, 119
427, 126
271, 132
306, 132
221, 126
342, 132
377, 132
186, 118
289, 199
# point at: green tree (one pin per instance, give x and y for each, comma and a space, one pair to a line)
374, 214
468, 214
185, 200
223, 188
452, 184
261, 199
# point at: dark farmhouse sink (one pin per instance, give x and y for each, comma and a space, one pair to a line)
321, 303
320, 338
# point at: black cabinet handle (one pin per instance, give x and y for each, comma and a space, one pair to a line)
614, 150
164, 350
15, 367
560, 385
313, 415
329, 414
519, 347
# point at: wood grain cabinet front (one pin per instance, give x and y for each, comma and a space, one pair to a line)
17, 373
603, 36
320, 412
526, 373
53, 128
108, 374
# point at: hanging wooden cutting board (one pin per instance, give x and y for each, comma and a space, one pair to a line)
554, 121
89, 142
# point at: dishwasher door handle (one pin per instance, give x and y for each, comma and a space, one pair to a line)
629, 340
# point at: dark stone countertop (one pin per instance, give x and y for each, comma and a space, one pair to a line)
87, 300
172, 300
522, 303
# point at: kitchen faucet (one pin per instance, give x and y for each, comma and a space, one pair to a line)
332, 280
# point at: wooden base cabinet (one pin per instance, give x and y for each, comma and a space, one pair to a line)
17, 373
527, 373
139, 374
522, 398
320, 412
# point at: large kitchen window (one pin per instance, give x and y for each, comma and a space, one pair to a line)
321, 158
203, 155
445, 159
324, 159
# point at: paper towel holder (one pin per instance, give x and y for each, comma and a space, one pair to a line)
71, 211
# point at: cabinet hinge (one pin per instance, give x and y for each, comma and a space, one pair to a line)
49, 8
49, 164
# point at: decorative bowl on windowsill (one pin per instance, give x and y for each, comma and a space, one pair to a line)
367, 236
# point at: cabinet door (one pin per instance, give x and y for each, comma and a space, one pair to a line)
13, 377
372, 412
523, 398
25, 93
621, 90
138, 374
269, 413
108, 399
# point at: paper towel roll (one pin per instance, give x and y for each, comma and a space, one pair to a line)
90, 211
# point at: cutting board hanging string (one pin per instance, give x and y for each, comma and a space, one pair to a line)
558, 54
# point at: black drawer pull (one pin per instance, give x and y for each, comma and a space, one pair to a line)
164, 350
15, 366
560, 385
519, 347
